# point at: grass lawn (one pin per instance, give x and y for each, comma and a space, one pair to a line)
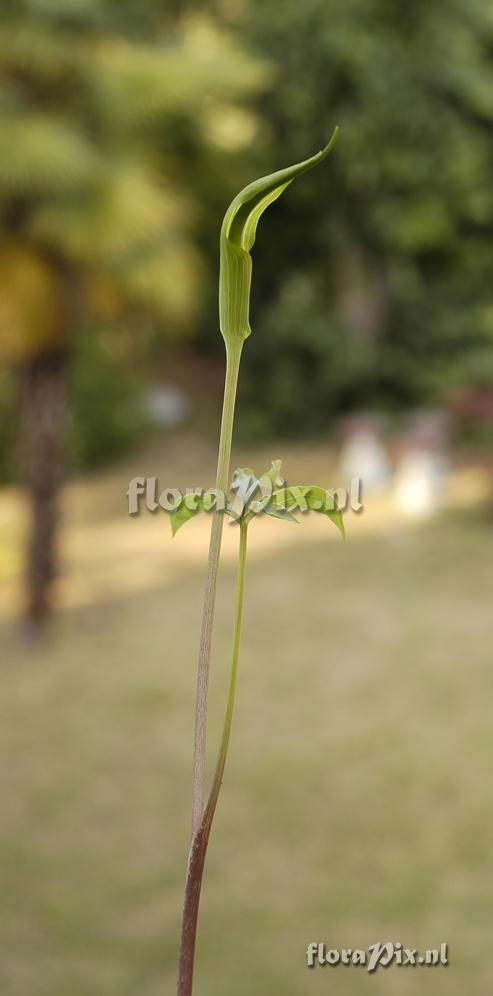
357, 802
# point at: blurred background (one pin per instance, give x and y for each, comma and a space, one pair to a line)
356, 803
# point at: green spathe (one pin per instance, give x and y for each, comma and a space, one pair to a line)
237, 237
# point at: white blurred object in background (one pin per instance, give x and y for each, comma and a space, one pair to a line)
166, 405
363, 454
422, 466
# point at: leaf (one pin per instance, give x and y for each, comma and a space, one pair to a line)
238, 233
182, 515
279, 513
191, 505
246, 484
280, 504
273, 475
305, 498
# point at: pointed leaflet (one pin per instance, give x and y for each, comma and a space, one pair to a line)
237, 237
247, 485
267, 483
303, 499
192, 504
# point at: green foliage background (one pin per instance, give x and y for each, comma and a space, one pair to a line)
128, 128
387, 299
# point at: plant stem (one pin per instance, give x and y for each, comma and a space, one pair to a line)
223, 750
233, 355
200, 839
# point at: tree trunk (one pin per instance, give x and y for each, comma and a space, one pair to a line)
43, 407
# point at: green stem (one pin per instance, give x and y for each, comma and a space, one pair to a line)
200, 839
223, 750
233, 356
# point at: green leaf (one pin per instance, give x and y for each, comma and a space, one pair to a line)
246, 485
276, 512
273, 475
305, 498
191, 505
238, 236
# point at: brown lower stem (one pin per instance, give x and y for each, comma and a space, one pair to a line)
195, 873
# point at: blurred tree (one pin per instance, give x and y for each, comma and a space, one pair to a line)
93, 216
389, 300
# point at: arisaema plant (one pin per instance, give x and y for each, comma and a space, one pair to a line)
238, 233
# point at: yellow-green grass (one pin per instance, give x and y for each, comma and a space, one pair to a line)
357, 800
